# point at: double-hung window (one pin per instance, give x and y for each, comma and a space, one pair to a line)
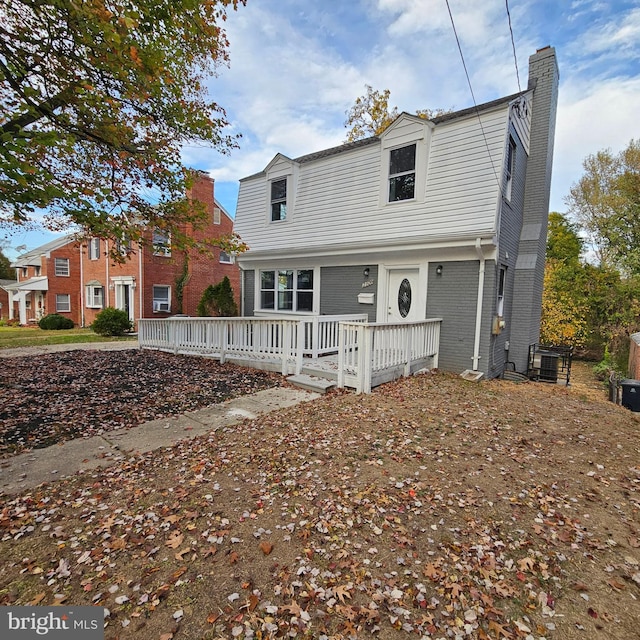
63, 302
94, 249
402, 173
161, 298
278, 200
287, 290
161, 241
511, 165
95, 297
502, 276
61, 266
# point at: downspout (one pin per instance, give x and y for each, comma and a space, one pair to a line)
106, 274
140, 285
82, 319
476, 345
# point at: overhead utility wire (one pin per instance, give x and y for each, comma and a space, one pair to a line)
475, 104
513, 44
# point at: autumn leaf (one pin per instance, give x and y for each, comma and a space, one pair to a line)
266, 547
174, 540
342, 592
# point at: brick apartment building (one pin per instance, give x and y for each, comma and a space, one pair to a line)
77, 279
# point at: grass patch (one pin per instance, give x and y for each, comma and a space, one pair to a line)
15, 337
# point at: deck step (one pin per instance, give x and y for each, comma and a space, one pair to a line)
311, 383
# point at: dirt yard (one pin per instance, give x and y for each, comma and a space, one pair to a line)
433, 507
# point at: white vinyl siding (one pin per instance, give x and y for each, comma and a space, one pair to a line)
339, 202
61, 266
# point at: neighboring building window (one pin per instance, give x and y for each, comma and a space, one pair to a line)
61, 266
37, 270
161, 243
225, 257
63, 302
511, 165
95, 297
94, 249
216, 215
502, 277
279, 200
402, 173
161, 298
287, 290
24, 272
123, 247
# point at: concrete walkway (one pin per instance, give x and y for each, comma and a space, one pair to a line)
26, 471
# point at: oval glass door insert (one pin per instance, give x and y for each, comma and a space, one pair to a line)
404, 298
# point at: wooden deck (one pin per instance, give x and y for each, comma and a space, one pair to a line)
347, 349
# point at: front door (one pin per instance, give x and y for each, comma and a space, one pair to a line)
124, 292
402, 296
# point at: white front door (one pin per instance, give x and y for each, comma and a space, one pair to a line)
403, 296
124, 298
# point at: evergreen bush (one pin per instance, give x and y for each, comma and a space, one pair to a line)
112, 322
217, 300
54, 322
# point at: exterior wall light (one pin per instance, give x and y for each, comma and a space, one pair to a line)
366, 272
439, 270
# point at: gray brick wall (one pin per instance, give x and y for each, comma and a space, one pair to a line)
340, 289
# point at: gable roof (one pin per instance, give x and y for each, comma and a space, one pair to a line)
33, 257
349, 146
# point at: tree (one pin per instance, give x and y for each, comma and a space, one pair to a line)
217, 300
606, 201
370, 115
97, 99
563, 239
6, 272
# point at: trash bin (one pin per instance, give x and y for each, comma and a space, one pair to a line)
631, 394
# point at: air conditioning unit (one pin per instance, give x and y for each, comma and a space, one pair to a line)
546, 364
160, 306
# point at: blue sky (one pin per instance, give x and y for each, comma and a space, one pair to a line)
298, 65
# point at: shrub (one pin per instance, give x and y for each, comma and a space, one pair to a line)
112, 322
217, 300
54, 322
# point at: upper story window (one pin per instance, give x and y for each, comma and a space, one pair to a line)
502, 277
123, 246
216, 215
25, 271
94, 249
278, 200
61, 266
402, 173
161, 241
225, 258
287, 290
511, 165
37, 270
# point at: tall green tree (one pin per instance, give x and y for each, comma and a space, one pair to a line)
6, 272
606, 201
563, 239
371, 114
96, 100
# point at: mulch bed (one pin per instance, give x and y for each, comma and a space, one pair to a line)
51, 398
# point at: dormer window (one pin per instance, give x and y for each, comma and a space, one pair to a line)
278, 200
402, 173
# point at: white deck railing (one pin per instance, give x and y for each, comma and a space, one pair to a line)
373, 353
369, 354
280, 340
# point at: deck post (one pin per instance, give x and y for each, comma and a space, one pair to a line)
302, 328
341, 355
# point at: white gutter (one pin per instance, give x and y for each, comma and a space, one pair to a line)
476, 345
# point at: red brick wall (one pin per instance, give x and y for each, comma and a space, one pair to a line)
64, 284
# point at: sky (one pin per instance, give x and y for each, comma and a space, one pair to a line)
297, 66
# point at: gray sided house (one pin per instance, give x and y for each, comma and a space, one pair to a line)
432, 219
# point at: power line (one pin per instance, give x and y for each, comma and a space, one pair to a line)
473, 97
513, 45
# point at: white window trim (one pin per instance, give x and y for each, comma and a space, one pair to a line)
315, 292
59, 308
93, 301
161, 305
228, 256
290, 172
94, 249
421, 138
161, 248
510, 166
59, 262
